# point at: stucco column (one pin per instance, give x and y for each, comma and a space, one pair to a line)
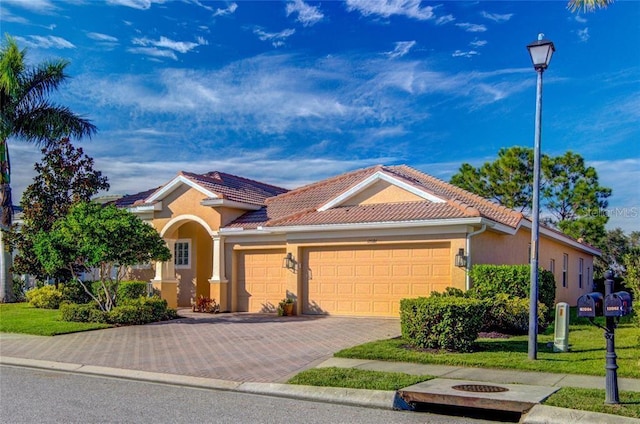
218, 280
165, 279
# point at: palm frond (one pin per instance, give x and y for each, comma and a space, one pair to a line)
44, 122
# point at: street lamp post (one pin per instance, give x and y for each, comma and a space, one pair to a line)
541, 51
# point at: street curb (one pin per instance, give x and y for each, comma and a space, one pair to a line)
542, 414
356, 397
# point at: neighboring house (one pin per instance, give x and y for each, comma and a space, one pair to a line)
354, 244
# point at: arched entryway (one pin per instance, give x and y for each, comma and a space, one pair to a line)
190, 242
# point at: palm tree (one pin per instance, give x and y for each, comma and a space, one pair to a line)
28, 115
588, 5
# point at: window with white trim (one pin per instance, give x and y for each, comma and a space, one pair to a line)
565, 269
182, 254
552, 266
580, 271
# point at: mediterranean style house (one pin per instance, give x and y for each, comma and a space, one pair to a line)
353, 244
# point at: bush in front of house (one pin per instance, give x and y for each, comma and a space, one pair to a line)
131, 290
74, 292
490, 280
142, 310
441, 322
510, 314
83, 312
45, 297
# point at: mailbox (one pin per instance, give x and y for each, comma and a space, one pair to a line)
617, 304
590, 305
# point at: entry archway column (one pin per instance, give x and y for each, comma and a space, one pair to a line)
165, 280
218, 281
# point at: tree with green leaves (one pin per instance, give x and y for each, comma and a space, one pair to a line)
29, 115
572, 198
100, 237
64, 177
588, 5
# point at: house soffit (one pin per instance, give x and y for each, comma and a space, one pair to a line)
373, 179
178, 181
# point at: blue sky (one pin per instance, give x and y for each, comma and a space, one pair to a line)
292, 92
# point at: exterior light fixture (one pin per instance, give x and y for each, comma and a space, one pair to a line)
541, 51
289, 263
461, 259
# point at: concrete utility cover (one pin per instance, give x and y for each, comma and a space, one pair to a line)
498, 397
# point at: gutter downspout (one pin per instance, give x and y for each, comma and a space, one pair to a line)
467, 280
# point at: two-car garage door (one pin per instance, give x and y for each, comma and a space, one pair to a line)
345, 280
370, 281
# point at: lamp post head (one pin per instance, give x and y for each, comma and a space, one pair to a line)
541, 51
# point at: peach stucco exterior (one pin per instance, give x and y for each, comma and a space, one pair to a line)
358, 268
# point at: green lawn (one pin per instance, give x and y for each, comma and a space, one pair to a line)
586, 356
23, 318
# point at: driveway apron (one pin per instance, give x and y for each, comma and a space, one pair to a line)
236, 346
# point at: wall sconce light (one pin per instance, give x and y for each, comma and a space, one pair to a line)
289, 263
461, 259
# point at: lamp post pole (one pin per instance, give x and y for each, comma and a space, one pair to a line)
541, 52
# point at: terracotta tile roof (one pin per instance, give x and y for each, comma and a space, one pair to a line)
235, 188
224, 185
134, 199
300, 206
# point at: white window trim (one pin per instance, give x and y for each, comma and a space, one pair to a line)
580, 272
188, 243
565, 270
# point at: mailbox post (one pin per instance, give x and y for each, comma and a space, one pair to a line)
611, 382
613, 307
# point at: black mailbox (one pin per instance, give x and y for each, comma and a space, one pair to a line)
617, 304
590, 305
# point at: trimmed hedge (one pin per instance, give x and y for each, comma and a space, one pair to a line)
510, 314
142, 310
441, 322
45, 297
131, 290
489, 280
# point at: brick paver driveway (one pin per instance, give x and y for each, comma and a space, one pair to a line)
238, 347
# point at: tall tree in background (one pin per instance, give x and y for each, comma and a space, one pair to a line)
63, 178
570, 192
587, 5
28, 115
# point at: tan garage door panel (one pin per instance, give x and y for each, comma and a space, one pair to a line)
261, 280
371, 281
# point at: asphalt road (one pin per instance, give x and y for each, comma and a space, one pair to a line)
41, 396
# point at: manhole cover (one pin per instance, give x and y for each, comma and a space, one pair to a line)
480, 388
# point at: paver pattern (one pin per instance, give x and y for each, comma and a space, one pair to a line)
235, 346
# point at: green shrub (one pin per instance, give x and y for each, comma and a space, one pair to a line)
45, 297
19, 289
131, 290
441, 322
510, 314
85, 312
73, 292
489, 280
142, 310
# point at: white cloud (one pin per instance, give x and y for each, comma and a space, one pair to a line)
38, 6
277, 38
478, 43
401, 49
307, 15
469, 53
102, 37
387, 8
580, 19
445, 19
583, 34
496, 17
166, 43
228, 11
45, 42
472, 27
135, 4
9, 17
152, 51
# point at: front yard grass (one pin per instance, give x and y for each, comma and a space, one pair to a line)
586, 355
24, 318
357, 379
